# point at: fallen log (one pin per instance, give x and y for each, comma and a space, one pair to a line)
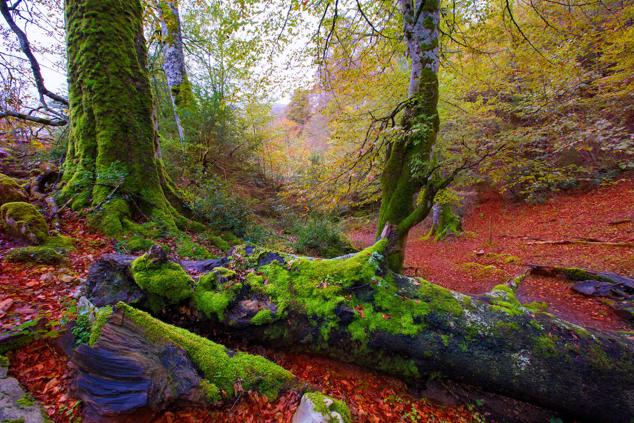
131, 366
354, 309
583, 241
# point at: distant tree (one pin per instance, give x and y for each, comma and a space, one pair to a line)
299, 107
174, 62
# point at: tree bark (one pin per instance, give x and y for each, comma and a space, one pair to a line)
355, 309
174, 62
113, 157
407, 188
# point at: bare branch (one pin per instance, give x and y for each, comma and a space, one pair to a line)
25, 46
36, 119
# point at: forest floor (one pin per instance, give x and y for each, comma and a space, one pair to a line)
32, 292
496, 246
501, 238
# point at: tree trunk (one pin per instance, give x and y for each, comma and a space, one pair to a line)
407, 191
355, 309
174, 63
113, 160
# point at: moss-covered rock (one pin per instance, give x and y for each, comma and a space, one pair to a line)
317, 407
166, 282
37, 254
10, 190
53, 251
23, 220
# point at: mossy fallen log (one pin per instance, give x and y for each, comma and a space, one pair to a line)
354, 309
133, 366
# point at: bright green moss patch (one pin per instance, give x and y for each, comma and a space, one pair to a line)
262, 317
215, 291
220, 369
165, 280
502, 298
187, 248
4, 361
24, 221
25, 401
10, 190
319, 288
326, 405
100, 320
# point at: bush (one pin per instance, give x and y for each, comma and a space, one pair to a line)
213, 203
320, 236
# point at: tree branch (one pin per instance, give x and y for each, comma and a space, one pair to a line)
36, 119
25, 46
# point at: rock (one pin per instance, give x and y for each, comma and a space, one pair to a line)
15, 404
109, 281
23, 221
10, 190
594, 288
318, 408
269, 257
203, 266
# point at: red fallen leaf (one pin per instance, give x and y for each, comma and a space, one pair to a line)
386, 316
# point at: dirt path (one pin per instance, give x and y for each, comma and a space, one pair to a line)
499, 241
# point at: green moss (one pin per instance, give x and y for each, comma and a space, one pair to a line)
212, 392
395, 365
262, 317
166, 280
218, 367
81, 330
53, 251
187, 248
545, 346
10, 190
4, 361
23, 220
217, 241
35, 254
135, 243
215, 291
100, 320
326, 405
318, 288
25, 401
112, 164
576, 274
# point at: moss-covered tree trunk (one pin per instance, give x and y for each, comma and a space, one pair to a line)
113, 163
407, 184
174, 63
355, 309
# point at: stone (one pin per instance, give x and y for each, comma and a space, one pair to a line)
15, 404
109, 281
327, 411
23, 221
10, 190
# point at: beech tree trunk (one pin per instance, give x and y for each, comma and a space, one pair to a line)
355, 309
113, 163
174, 63
407, 185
